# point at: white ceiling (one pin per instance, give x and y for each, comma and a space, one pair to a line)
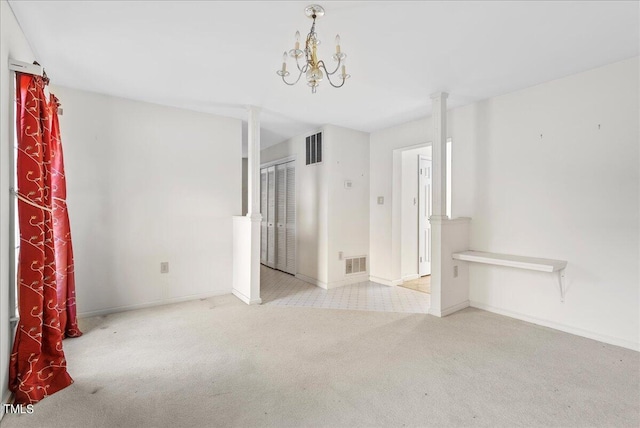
220, 56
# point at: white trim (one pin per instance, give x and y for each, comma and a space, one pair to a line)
278, 161
117, 309
352, 278
246, 299
451, 309
410, 277
383, 281
561, 327
312, 281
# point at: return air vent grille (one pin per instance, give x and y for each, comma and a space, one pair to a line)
355, 265
314, 149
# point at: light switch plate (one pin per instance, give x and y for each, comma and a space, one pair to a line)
380, 200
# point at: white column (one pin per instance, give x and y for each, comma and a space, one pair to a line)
253, 163
449, 279
439, 147
246, 229
438, 194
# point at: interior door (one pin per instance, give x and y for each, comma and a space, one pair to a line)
281, 217
291, 218
271, 217
264, 197
278, 208
424, 212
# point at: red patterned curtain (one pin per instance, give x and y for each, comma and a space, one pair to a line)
46, 291
65, 277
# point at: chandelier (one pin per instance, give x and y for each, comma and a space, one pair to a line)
312, 67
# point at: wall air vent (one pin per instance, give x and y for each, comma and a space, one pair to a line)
355, 265
314, 149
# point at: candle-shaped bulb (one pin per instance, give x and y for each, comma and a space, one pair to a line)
344, 69
297, 40
284, 61
337, 43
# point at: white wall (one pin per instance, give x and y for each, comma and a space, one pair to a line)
311, 206
572, 194
12, 45
409, 224
348, 210
384, 250
329, 218
148, 184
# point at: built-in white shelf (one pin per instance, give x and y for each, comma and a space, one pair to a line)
521, 262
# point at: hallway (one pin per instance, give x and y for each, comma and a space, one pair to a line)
280, 289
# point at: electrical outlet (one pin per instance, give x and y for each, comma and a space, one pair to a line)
380, 200
455, 271
164, 267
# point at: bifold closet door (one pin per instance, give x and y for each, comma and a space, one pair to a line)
286, 217
278, 208
271, 216
290, 252
281, 217
264, 197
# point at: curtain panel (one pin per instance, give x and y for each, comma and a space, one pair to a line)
46, 291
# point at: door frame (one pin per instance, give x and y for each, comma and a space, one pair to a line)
278, 161
396, 212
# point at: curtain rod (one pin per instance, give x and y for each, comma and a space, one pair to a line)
25, 67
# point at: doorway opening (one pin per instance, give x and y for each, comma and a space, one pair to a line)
416, 166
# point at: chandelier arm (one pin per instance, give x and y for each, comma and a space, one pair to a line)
297, 80
325, 67
321, 64
301, 69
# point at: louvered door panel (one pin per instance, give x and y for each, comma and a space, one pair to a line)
271, 216
281, 212
264, 192
291, 218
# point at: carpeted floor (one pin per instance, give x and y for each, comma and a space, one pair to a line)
218, 362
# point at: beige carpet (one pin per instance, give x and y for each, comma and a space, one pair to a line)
218, 362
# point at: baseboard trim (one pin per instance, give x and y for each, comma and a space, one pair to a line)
451, 309
351, 279
383, 281
246, 299
312, 281
635, 346
410, 277
126, 308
